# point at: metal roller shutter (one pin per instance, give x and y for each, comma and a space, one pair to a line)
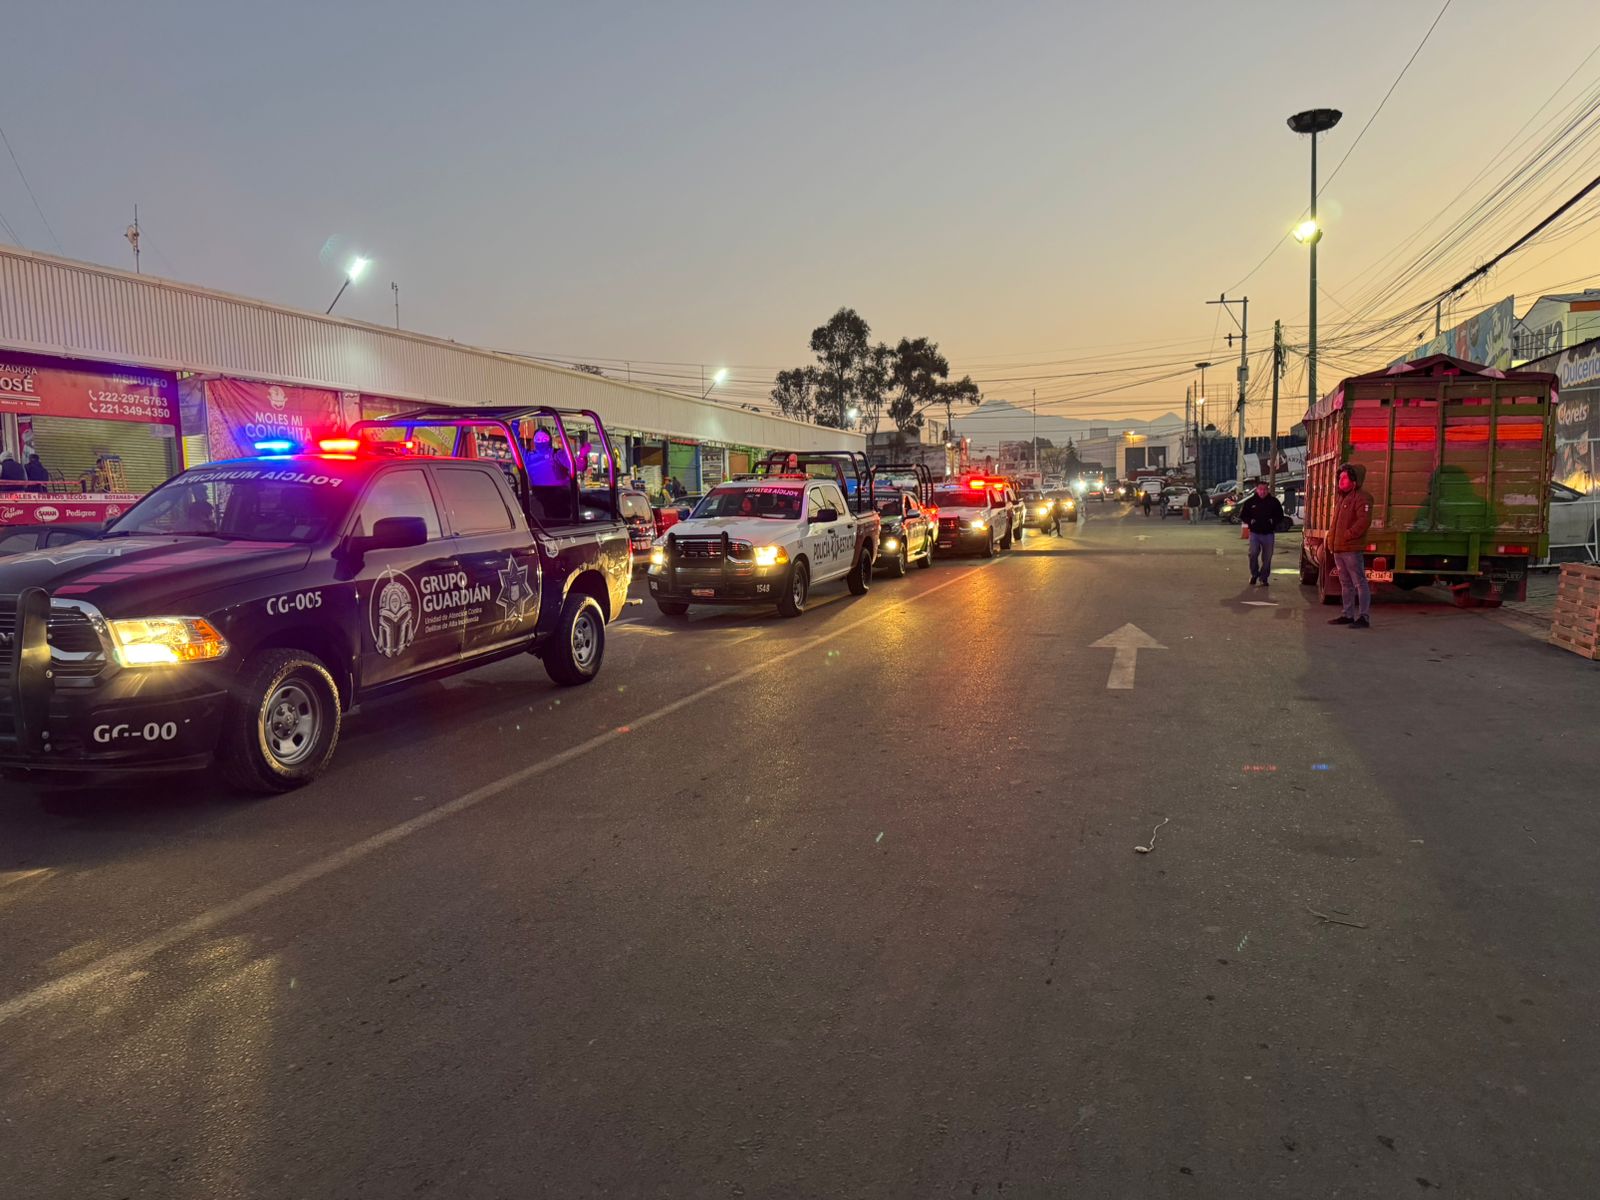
69, 446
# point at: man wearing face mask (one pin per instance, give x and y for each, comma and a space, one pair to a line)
1260, 514
1351, 520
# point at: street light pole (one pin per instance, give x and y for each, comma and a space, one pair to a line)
1313, 121
1199, 405
353, 272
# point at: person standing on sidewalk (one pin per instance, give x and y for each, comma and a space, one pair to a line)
1351, 520
1260, 514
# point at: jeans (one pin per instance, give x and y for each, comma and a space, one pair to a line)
1261, 554
1354, 590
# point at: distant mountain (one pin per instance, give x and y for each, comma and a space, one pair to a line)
996, 421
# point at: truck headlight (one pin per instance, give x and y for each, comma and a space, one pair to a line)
165, 641
658, 556
891, 543
771, 556
977, 523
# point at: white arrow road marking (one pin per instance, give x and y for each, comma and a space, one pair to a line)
1260, 603
1127, 642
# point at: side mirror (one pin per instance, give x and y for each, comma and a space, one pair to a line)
824, 515
389, 533
683, 513
397, 533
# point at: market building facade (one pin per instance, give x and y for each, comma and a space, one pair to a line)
111, 382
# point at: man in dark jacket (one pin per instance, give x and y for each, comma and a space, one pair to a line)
1346, 540
1260, 514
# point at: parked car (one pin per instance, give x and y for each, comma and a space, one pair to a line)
973, 515
903, 496
1573, 517
769, 539
1175, 501
19, 539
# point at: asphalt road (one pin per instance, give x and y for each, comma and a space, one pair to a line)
850, 906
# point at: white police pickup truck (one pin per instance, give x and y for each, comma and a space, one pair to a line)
766, 539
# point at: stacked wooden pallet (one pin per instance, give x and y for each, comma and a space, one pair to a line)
1576, 626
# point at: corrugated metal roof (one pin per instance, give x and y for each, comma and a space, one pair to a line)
58, 306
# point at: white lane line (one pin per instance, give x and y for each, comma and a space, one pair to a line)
141, 952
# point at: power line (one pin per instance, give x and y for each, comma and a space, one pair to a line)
1276, 246
1385, 99
29, 187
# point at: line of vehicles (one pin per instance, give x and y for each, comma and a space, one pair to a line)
235, 614
801, 521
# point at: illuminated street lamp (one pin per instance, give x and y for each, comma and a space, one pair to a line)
357, 268
720, 376
1312, 121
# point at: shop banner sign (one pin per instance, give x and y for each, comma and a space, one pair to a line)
29, 509
243, 412
113, 395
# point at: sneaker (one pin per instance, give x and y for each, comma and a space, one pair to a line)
1342, 621
1361, 623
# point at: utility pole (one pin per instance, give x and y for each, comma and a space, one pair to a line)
1199, 412
1277, 372
133, 238
1035, 431
1243, 322
395, 288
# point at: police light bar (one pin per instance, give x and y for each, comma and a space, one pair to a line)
339, 445
275, 446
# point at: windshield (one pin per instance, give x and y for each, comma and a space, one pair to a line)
251, 503
777, 503
964, 498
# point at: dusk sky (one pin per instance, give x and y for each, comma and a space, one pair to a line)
1034, 186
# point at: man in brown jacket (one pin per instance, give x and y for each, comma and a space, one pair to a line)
1346, 540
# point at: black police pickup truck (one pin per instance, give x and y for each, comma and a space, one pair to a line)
238, 610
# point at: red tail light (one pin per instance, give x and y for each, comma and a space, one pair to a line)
1513, 550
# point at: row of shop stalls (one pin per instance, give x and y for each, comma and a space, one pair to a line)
82, 440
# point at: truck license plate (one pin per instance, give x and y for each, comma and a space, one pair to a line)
702, 591
1380, 576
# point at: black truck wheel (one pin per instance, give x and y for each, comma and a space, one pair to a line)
793, 601
860, 577
988, 547
1006, 542
1308, 570
672, 608
282, 724
578, 644
897, 567
926, 560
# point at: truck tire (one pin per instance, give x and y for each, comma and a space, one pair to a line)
672, 608
901, 561
578, 644
1007, 541
282, 724
793, 601
926, 560
988, 546
860, 577
1308, 570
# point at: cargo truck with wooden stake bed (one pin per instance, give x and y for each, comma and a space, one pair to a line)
1458, 462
